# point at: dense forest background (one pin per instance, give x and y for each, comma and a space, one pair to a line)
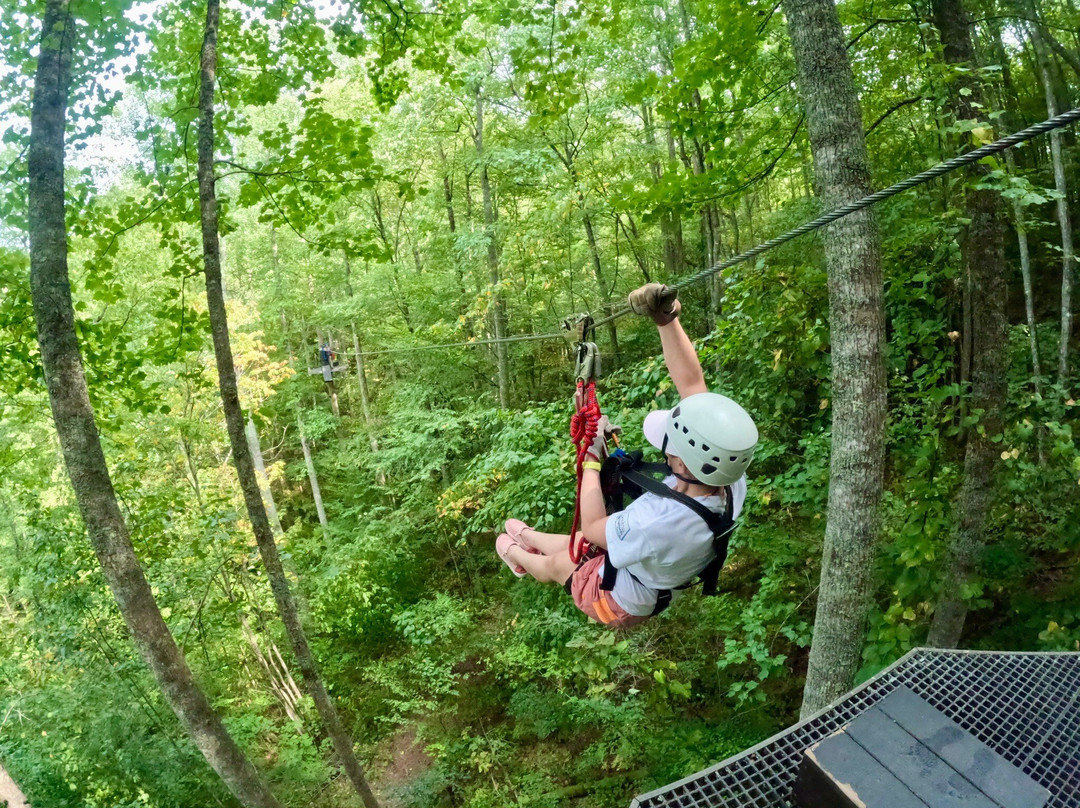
395, 175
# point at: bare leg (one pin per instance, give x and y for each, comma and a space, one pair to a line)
547, 543
544, 568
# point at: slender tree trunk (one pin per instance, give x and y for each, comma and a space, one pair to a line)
313, 478
1025, 273
234, 419
1064, 221
498, 304
448, 190
678, 247
365, 395
252, 435
77, 429
283, 689
193, 472
984, 260
601, 282
857, 328
670, 237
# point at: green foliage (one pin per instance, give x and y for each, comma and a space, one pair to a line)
350, 185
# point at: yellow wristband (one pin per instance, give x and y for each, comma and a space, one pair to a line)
591, 464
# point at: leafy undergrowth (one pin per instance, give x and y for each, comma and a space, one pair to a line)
548, 711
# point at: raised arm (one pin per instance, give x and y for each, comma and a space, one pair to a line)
681, 360
660, 302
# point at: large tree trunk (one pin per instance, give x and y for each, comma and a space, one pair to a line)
498, 304
255, 447
857, 329
234, 418
984, 261
77, 429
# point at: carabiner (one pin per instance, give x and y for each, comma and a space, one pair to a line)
588, 362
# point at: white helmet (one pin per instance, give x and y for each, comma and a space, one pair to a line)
710, 433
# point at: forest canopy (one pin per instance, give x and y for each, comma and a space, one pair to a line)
282, 300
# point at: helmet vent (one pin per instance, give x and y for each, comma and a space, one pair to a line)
733, 458
685, 430
691, 441
716, 459
704, 448
708, 468
676, 412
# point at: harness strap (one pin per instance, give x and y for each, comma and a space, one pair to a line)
721, 525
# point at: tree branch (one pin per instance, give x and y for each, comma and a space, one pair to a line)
897, 106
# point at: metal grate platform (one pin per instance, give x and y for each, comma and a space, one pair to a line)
1025, 706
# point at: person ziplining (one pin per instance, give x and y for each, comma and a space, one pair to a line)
674, 531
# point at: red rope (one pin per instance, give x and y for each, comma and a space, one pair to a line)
583, 428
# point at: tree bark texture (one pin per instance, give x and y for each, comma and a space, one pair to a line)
77, 429
984, 261
255, 447
857, 328
234, 418
498, 304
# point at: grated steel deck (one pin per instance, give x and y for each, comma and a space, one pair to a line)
1025, 706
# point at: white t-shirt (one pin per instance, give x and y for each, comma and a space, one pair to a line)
662, 543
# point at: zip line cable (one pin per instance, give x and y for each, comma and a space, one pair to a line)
998, 146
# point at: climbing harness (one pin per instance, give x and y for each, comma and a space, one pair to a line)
585, 422
625, 474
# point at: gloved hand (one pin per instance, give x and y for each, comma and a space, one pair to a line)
657, 301
604, 430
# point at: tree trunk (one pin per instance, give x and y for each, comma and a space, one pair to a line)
448, 190
498, 304
234, 418
313, 478
670, 236
1064, 221
857, 329
263, 478
365, 395
675, 220
284, 689
77, 429
984, 261
601, 282
1025, 273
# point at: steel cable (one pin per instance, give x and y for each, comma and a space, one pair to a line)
973, 156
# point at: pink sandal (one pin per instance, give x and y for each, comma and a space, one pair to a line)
502, 547
514, 527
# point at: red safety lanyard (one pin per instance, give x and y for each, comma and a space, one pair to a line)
583, 428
